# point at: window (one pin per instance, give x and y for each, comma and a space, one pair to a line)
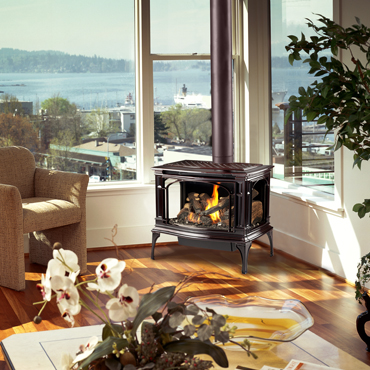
96, 91
301, 151
69, 82
180, 49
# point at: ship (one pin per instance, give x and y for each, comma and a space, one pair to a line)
192, 100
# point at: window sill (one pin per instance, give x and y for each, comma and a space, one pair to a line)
118, 188
307, 197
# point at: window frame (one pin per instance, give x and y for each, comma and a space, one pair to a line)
301, 194
144, 85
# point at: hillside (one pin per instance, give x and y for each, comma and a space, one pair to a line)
47, 61
50, 61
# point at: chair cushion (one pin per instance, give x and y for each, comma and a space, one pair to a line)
46, 213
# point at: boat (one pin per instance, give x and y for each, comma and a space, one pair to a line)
192, 100
129, 100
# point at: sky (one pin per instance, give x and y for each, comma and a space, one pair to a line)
288, 17
102, 28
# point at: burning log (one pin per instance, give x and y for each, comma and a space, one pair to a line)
198, 219
195, 202
257, 212
223, 203
204, 199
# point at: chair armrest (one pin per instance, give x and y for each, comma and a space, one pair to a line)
11, 213
61, 185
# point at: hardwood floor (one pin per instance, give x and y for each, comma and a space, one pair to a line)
329, 299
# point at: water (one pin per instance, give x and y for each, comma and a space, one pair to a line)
97, 90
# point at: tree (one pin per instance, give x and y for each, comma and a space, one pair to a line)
97, 121
17, 130
59, 117
58, 106
10, 104
172, 118
60, 152
160, 129
341, 99
188, 124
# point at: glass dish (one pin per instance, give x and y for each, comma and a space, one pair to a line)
264, 322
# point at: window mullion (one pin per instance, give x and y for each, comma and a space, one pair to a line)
144, 107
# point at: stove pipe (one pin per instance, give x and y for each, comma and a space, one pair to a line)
221, 82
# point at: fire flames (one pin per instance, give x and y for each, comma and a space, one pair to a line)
213, 201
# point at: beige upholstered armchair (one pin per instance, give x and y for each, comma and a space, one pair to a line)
48, 205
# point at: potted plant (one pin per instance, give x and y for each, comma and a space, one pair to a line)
340, 100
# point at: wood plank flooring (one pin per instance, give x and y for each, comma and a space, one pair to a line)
329, 299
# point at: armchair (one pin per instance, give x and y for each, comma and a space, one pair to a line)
48, 205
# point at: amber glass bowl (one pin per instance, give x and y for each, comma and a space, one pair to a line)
264, 322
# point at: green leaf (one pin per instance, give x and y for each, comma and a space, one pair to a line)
325, 91
291, 58
194, 347
362, 212
358, 21
301, 91
357, 207
322, 120
338, 144
311, 116
150, 303
157, 316
107, 331
293, 38
334, 50
103, 349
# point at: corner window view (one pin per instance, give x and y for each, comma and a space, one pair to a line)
67, 86
302, 151
181, 87
182, 127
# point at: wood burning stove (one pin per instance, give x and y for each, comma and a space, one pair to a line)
221, 206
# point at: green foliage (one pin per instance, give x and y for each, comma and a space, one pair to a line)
150, 303
58, 106
363, 276
160, 129
340, 97
188, 125
105, 348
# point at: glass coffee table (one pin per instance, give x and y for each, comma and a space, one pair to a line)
43, 351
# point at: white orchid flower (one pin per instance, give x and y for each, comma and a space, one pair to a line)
87, 349
65, 289
45, 286
68, 311
66, 361
125, 305
64, 263
109, 274
94, 286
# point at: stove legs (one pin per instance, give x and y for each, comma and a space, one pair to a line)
244, 250
155, 236
269, 234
